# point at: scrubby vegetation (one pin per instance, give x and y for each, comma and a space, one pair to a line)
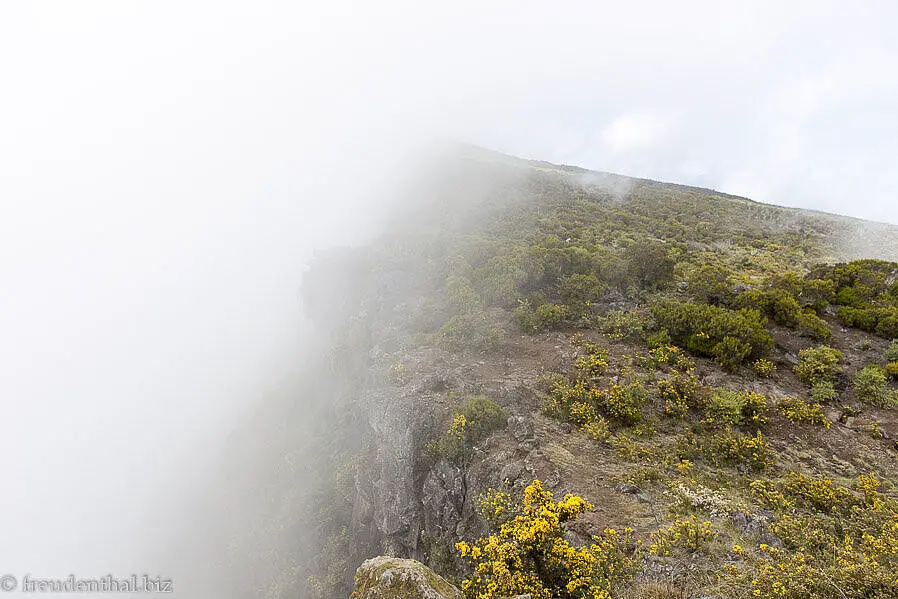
714, 369
472, 422
798, 410
529, 554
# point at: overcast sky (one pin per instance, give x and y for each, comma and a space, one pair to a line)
167, 167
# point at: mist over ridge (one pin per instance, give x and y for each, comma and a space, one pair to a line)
170, 171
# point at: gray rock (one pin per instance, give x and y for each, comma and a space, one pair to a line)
443, 498
748, 523
511, 472
768, 538
629, 488
520, 428
395, 578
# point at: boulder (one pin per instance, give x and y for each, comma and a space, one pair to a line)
395, 578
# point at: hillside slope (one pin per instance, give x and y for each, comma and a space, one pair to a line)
642, 345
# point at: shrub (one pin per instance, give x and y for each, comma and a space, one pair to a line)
399, 373
621, 325
484, 417
593, 361
679, 392
764, 368
685, 533
837, 541
649, 265
891, 353
887, 324
892, 369
823, 392
535, 315
659, 339
778, 304
863, 319
470, 331
731, 353
579, 291
798, 410
871, 386
729, 407
882, 321
472, 422
528, 552
811, 325
732, 448
623, 402
703, 329
817, 364
710, 284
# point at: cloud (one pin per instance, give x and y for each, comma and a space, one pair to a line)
636, 132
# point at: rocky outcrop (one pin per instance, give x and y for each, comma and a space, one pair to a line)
395, 578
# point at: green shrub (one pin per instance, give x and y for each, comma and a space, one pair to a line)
811, 325
778, 304
798, 410
871, 386
823, 392
887, 324
737, 408
891, 353
623, 402
704, 330
817, 364
472, 422
883, 320
649, 265
863, 319
470, 331
621, 325
659, 339
731, 448
731, 353
710, 284
544, 316
484, 417
579, 291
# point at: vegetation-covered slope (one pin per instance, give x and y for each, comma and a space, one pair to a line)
708, 379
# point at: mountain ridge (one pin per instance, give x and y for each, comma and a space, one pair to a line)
669, 355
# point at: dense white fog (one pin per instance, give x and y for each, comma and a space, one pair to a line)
167, 168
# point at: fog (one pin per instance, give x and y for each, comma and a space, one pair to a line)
168, 168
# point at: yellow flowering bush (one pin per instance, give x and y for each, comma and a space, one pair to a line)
728, 448
764, 368
581, 399
838, 542
679, 392
798, 410
689, 534
528, 553
817, 364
